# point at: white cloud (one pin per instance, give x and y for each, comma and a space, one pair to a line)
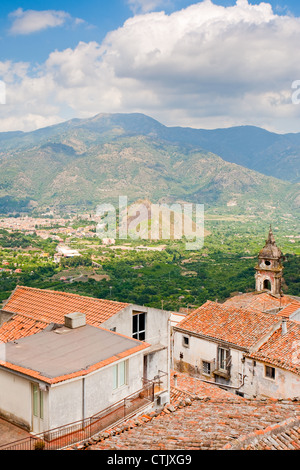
203, 66
31, 21
145, 6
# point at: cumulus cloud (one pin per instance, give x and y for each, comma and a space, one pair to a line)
203, 66
31, 21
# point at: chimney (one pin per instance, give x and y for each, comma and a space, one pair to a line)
283, 327
75, 320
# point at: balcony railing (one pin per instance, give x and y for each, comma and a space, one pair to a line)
65, 436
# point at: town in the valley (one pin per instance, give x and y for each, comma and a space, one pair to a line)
150, 229
79, 372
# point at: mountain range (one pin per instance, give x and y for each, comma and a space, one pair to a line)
80, 163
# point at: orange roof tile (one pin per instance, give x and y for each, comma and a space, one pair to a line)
241, 327
20, 326
258, 300
289, 309
282, 350
50, 306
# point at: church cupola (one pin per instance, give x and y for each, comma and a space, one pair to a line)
269, 269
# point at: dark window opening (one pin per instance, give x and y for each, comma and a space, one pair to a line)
206, 367
139, 326
267, 284
270, 372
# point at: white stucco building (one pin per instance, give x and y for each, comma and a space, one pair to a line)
252, 353
68, 373
31, 314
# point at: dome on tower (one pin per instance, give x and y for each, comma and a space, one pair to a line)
270, 250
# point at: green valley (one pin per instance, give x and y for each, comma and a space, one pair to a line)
161, 273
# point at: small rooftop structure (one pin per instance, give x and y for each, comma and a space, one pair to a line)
75, 320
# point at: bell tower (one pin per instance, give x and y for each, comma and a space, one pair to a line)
269, 269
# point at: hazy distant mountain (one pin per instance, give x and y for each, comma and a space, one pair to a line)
83, 162
257, 149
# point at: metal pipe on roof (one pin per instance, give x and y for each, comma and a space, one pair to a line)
223, 385
284, 326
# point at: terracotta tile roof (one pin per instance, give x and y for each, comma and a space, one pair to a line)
214, 420
200, 388
260, 301
290, 309
46, 306
241, 327
282, 350
281, 436
20, 326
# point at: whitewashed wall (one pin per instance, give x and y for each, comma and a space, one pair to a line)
157, 334
68, 401
285, 385
81, 398
15, 399
189, 359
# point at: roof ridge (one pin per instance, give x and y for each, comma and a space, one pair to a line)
70, 294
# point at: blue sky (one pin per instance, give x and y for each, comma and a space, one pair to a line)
182, 62
99, 18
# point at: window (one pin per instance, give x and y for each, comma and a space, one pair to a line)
119, 375
206, 367
139, 326
270, 372
186, 341
223, 358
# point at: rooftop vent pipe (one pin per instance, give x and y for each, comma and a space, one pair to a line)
283, 327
